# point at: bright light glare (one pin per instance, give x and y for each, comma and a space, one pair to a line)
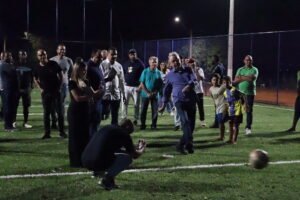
177, 19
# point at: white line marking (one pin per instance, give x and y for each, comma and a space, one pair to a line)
146, 170
274, 107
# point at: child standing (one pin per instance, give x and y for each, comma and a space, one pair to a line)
235, 109
217, 92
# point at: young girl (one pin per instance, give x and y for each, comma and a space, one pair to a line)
217, 92
235, 109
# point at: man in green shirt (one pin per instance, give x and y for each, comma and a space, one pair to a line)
297, 106
246, 77
151, 83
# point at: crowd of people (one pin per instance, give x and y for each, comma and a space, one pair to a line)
101, 88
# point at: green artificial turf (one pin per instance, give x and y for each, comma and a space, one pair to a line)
23, 152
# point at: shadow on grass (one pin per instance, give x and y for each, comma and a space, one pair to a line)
181, 187
53, 190
207, 146
271, 134
285, 141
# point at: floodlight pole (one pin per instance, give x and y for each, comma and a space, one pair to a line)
110, 22
56, 20
83, 28
191, 44
27, 21
230, 40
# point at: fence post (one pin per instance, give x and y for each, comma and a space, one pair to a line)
157, 48
278, 68
145, 51
251, 44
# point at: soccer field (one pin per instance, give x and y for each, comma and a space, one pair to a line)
23, 152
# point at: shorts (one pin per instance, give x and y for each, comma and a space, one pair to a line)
236, 119
222, 118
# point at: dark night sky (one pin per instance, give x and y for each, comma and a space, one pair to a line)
148, 19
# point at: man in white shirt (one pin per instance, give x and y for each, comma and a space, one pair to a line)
199, 74
114, 86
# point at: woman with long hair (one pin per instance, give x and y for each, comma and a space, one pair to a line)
78, 113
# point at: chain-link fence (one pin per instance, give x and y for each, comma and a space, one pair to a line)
275, 54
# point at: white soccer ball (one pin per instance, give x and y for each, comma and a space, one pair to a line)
258, 159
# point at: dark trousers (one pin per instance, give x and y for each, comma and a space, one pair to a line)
95, 117
105, 109
249, 100
121, 162
114, 106
2, 102
9, 107
187, 113
50, 102
26, 102
297, 111
63, 93
154, 109
200, 104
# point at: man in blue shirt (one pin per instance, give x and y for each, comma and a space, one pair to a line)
151, 83
180, 82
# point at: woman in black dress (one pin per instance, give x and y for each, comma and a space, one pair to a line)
78, 113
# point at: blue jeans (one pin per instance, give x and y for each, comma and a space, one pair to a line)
187, 113
249, 110
9, 107
121, 162
95, 117
2, 103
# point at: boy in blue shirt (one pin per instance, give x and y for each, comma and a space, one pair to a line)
151, 83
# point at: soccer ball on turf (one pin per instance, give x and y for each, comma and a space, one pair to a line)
258, 159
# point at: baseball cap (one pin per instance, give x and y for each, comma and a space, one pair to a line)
131, 51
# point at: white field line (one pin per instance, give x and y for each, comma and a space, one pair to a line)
147, 169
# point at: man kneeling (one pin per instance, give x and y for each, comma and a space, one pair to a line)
111, 150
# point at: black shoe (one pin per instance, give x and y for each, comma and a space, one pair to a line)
190, 148
153, 127
290, 130
46, 136
54, 126
142, 127
135, 122
63, 135
181, 149
108, 183
176, 128
214, 126
97, 174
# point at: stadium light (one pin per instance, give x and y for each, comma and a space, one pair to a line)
177, 19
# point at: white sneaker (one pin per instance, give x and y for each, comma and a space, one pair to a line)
248, 131
27, 125
202, 124
14, 124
